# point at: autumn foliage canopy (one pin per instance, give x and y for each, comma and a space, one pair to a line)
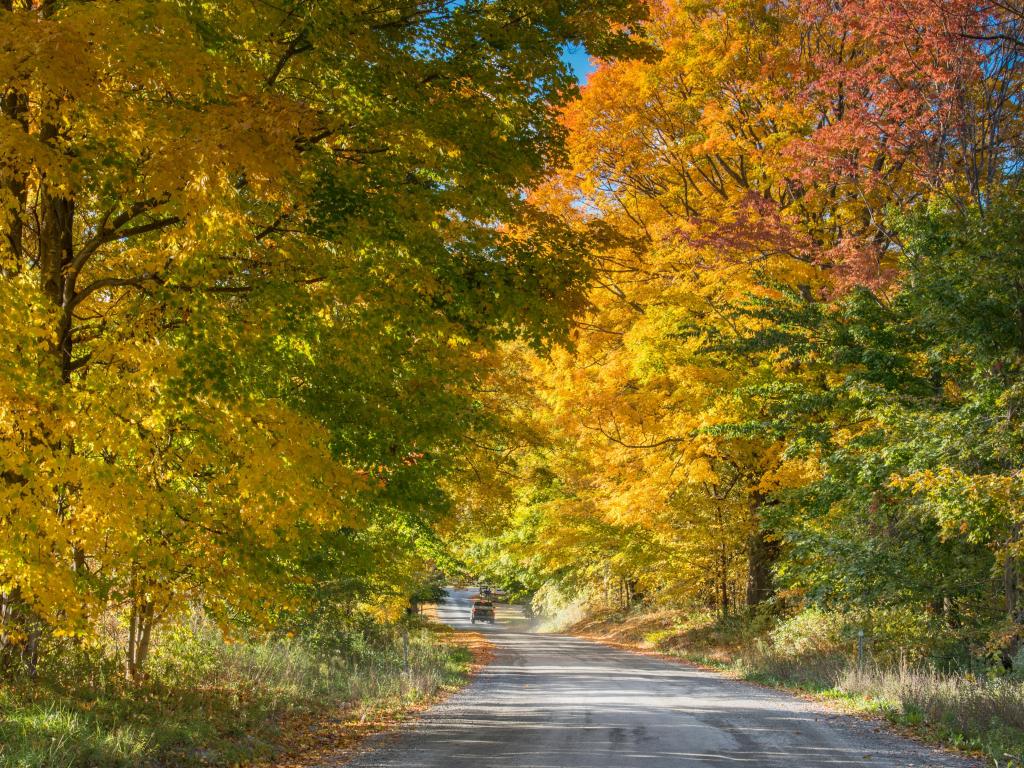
796, 380
301, 300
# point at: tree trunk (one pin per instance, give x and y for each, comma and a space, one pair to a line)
14, 621
723, 577
1011, 589
631, 593
30, 650
1011, 577
53, 256
1014, 610
9, 602
20, 634
56, 253
140, 628
14, 106
762, 552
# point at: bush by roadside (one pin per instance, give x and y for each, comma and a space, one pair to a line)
212, 701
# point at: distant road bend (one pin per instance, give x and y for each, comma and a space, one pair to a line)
560, 702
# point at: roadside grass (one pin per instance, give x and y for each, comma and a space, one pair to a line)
975, 713
212, 702
978, 714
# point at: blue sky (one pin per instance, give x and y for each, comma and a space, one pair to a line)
578, 60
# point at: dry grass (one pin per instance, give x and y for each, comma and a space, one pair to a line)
329, 739
981, 712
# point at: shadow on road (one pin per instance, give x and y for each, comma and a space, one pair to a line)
550, 701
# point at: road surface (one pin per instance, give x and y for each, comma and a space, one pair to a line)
549, 701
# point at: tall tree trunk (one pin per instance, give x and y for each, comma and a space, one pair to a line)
14, 106
1014, 609
55, 259
56, 254
631, 593
19, 634
1012, 572
607, 588
9, 603
762, 553
1011, 589
133, 641
723, 580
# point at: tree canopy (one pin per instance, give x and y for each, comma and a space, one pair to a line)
254, 255
302, 300
795, 380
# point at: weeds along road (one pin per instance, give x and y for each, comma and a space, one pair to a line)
548, 701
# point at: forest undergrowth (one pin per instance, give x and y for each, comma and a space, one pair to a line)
211, 701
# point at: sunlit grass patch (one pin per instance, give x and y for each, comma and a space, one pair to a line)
55, 734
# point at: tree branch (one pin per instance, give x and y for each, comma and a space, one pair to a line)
298, 45
113, 282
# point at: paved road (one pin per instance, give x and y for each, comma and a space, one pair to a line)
559, 702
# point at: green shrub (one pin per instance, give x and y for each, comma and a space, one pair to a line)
902, 634
808, 632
